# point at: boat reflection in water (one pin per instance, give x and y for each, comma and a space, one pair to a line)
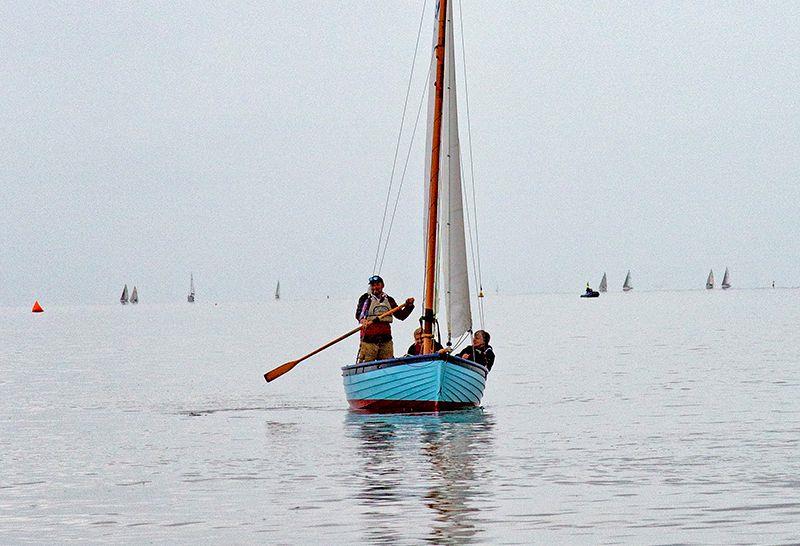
425, 476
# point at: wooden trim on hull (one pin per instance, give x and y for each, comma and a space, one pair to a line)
406, 406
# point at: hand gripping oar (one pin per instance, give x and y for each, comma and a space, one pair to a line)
283, 368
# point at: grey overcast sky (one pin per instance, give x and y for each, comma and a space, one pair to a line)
253, 141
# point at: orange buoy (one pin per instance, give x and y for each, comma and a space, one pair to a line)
37, 308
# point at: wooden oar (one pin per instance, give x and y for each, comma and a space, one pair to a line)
283, 368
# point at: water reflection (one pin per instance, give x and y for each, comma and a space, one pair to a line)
425, 476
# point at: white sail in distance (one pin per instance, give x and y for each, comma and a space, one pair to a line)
453, 275
603, 287
627, 284
726, 279
710, 280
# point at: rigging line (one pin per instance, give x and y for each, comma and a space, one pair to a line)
470, 236
471, 239
469, 145
477, 254
472, 251
460, 340
405, 168
447, 235
399, 135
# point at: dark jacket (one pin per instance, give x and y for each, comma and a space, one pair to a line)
484, 357
415, 349
379, 332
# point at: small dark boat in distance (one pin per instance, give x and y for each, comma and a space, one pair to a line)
592, 293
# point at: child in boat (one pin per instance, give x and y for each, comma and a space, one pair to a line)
416, 347
480, 351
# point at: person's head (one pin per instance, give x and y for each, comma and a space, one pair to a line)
418, 335
480, 339
375, 284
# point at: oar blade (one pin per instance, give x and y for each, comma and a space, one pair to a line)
280, 370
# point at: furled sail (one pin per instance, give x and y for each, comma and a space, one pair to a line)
726, 279
710, 280
453, 277
123, 299
627, 284
603, 284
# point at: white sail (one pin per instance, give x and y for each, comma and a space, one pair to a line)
190, 297
603, 287
278, 291
710, 280
123, 299
134, 296
627, 284
726, 279
453, 277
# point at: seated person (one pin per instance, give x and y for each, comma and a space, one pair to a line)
480, 351
416, 347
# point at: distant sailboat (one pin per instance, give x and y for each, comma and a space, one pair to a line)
710, 280
123, 299
134, 296
603, 287
278, 291
627, 285
726, 279
190, 297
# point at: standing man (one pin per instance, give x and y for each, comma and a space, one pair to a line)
376, 337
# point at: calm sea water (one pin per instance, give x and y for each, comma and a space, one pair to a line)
660, 417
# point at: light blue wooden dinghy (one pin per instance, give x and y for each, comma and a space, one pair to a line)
421, 383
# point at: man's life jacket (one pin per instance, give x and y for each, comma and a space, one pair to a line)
380, 330
378, 306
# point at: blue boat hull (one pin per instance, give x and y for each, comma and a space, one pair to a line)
414, 384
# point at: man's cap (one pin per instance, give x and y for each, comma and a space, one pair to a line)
375, 279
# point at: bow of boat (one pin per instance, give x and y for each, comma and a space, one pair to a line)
421, 383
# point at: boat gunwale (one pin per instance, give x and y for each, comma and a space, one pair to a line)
364, 367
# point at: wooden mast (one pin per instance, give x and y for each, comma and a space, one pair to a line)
433, 196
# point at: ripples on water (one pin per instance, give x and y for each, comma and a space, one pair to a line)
441, 462
638, 418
